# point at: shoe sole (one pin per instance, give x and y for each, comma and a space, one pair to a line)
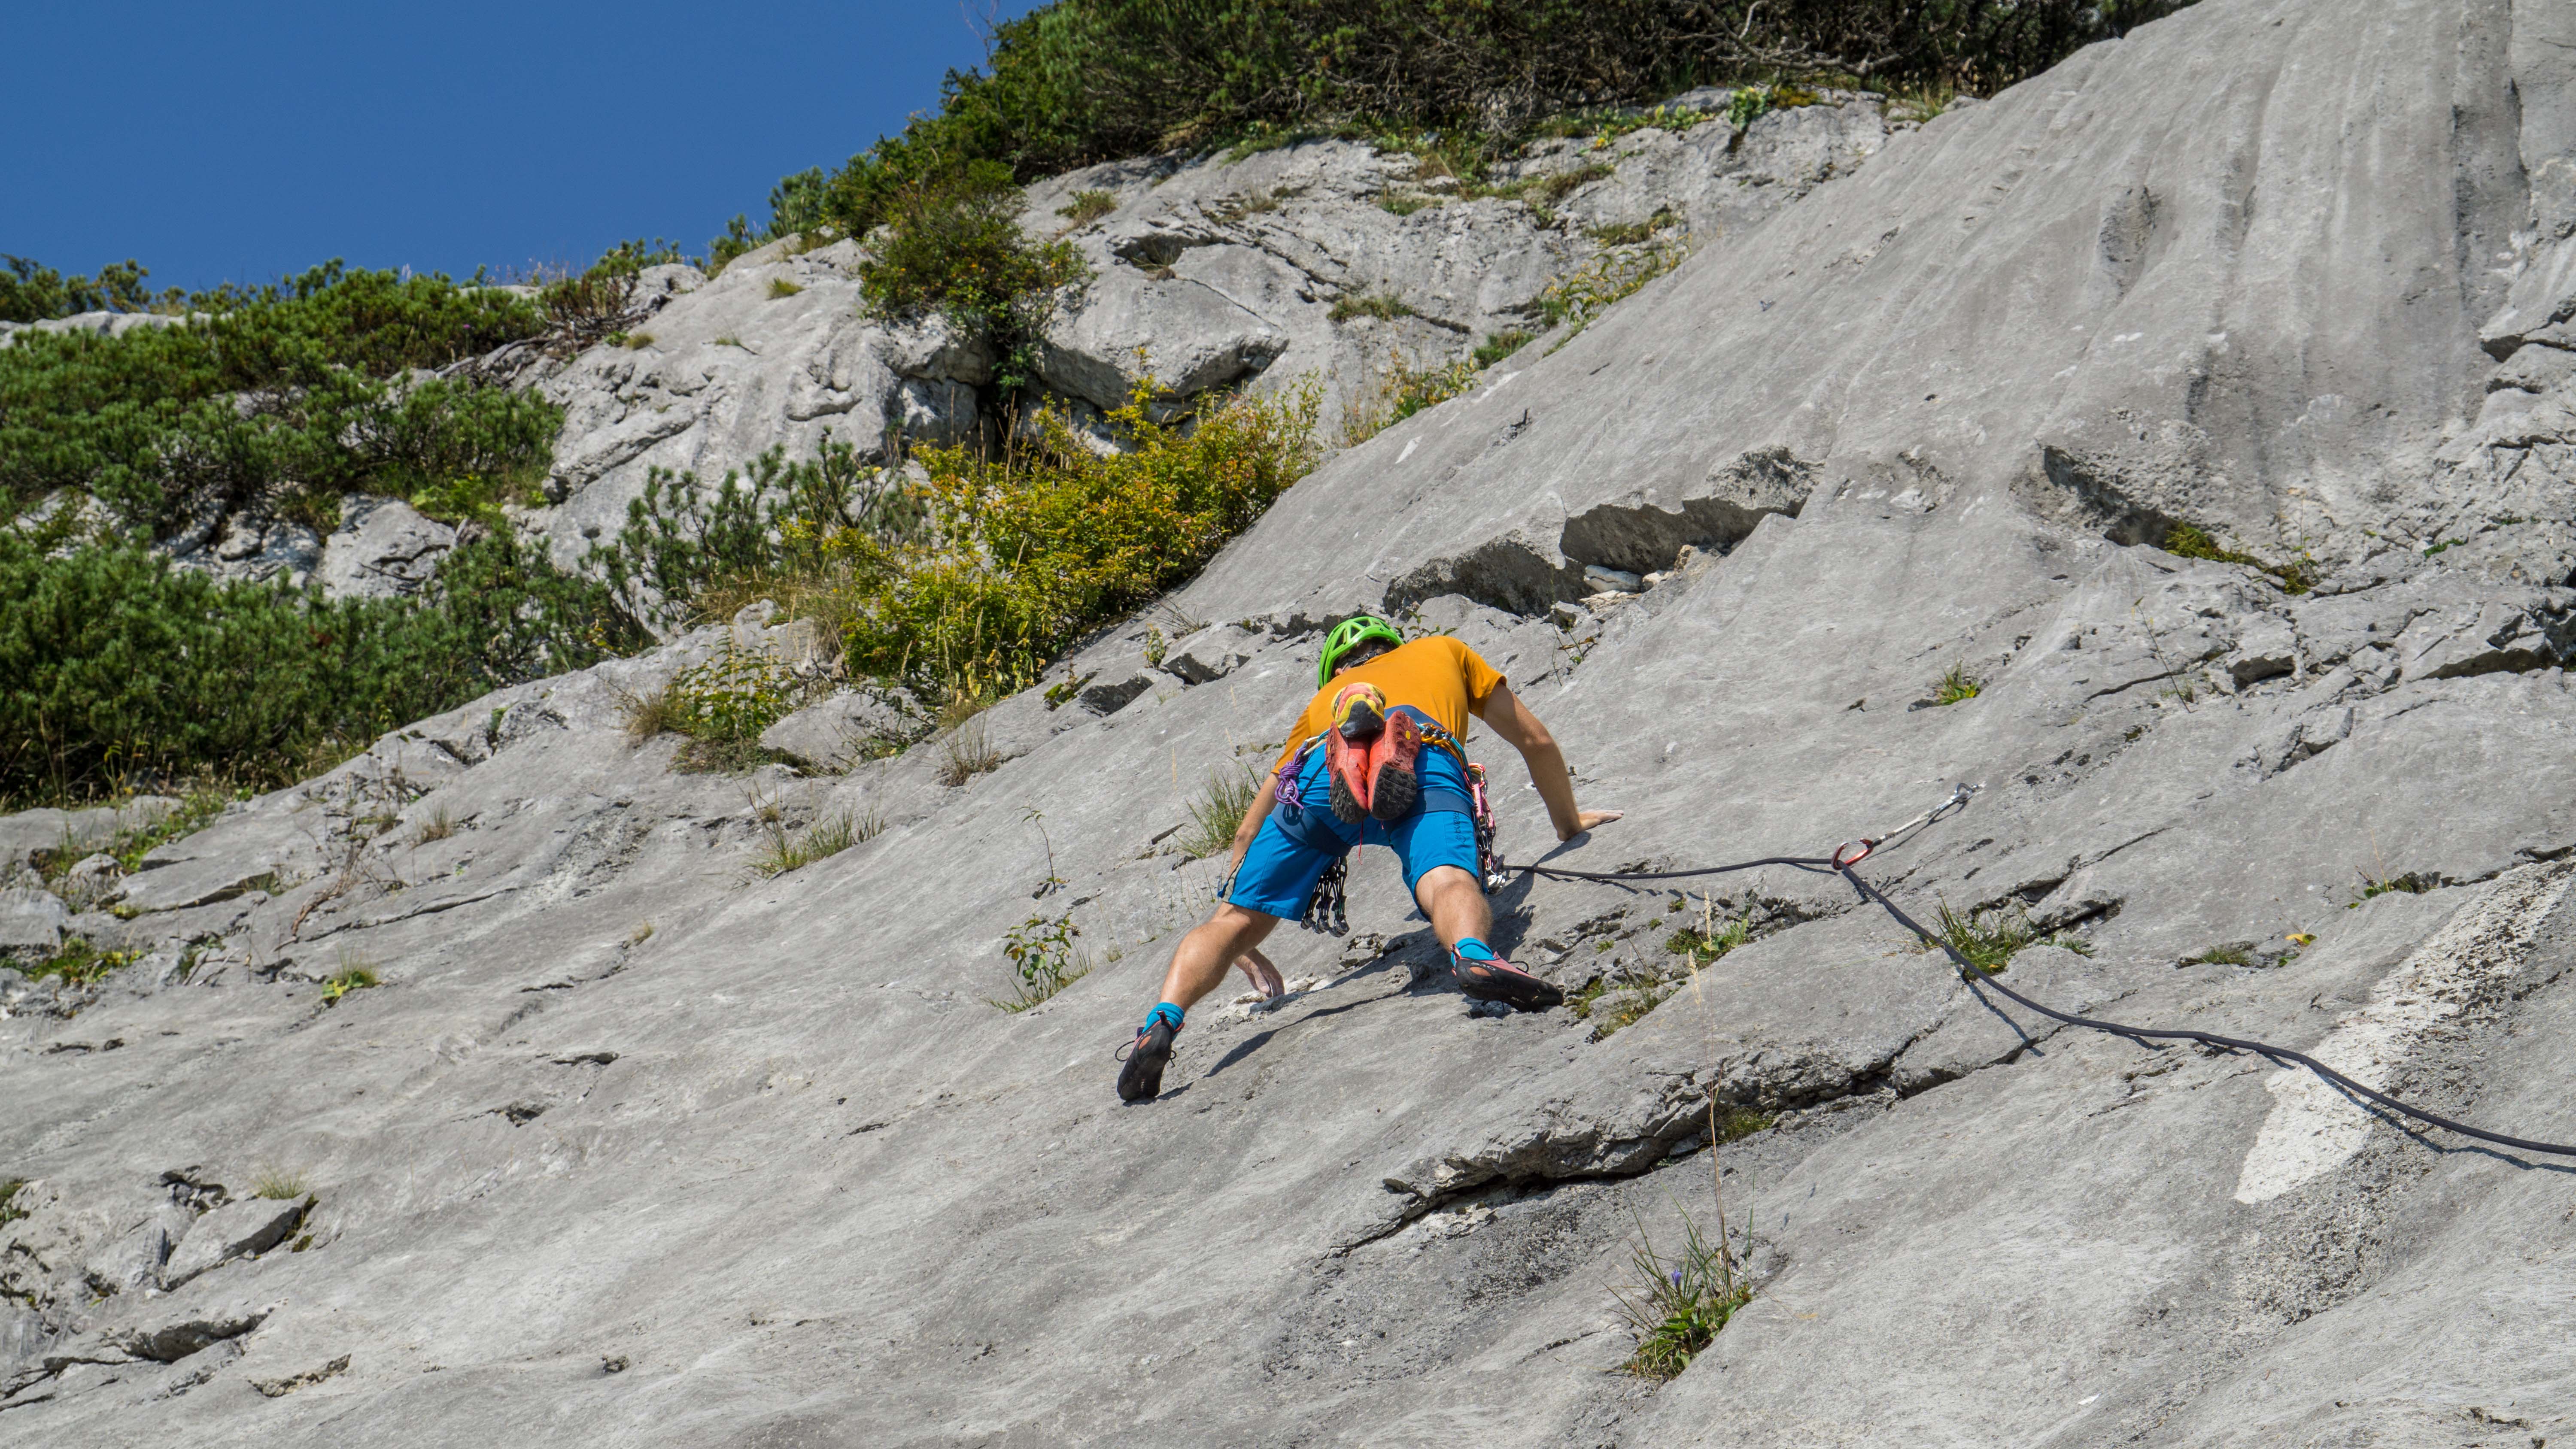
1141, 1079
1516, 989
1396, 790
1348, 807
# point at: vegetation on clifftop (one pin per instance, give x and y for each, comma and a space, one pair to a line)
1080, 81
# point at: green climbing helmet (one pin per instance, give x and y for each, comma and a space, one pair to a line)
1348, 635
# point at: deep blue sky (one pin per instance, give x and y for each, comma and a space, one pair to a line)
220, 141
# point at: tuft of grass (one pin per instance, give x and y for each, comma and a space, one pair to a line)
1956, 686
782, 851
1087, 207
1630, 233
2410, 883
1734, 1124
353, 975
966, 752
635, 341
1042, 956
781, 287
10, 1211
278, 1184
2184, 540
1677, 1305
642, 933
653, 712
1385, 309
1990, 940
440, 825
2221, 956
1499, 346
1577, 298
1251, 203
1219, 811
730, 341
1710, 940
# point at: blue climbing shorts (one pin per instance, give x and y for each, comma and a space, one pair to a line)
1288, 856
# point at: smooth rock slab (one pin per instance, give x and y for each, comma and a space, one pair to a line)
235, 1230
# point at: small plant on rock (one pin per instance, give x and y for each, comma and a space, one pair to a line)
1218, 812
1956, 686
1042, 954
2221, 956
350, 977
1990, 939
440, 825
967, 751
781, 287
782, 850
79, 962
1087, 207
1676, 1305
278, 1184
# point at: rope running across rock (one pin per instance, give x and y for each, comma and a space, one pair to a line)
1850, 854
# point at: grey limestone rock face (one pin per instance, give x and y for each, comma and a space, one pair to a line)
384, 548
620, 1098
235, 1230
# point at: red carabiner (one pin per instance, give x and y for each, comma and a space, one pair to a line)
1866, 846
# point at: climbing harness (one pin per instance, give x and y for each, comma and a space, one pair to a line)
1852, 852
1327, 908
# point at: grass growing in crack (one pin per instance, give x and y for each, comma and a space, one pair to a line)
1709, 940
440, 825
10, 1211
1087, 207
781, 287
353, 975
1956, 686
968, 751
1990, 940
1219, 811
79, 962
2410, 883
2221, 956
1385, 309
1042, 955
278, 1184
1677, 1304
1734, 1124
1499, 346
2184, 540
782, 850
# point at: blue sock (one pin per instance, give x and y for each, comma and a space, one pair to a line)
1163, 1011
1475, 950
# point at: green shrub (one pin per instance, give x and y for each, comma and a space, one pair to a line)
33, 293
1078, 81
953, 245
294, 387
115, 665
1019, 557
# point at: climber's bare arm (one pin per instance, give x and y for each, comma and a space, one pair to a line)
1508, 717
1253, 815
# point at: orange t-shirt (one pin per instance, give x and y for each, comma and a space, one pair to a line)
1436, 675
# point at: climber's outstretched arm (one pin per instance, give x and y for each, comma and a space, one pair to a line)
1508, 717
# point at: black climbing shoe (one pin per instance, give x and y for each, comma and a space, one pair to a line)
1141, 1080
1504, 982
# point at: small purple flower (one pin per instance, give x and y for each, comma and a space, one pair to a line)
1677, 1277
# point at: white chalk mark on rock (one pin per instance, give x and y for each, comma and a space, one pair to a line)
2314, 1129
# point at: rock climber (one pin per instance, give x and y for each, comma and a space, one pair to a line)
1376, 759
